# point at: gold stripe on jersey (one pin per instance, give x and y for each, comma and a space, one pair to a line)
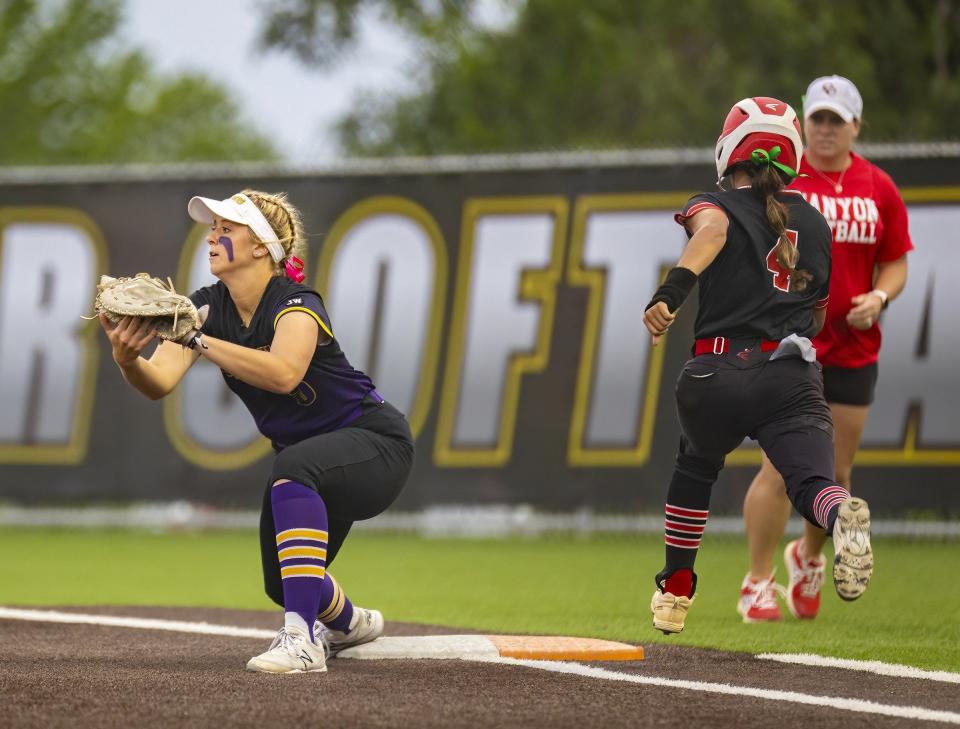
336, 606
311, 552
315, 535
302, 570
308, 311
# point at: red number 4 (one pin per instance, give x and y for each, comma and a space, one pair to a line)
781, 275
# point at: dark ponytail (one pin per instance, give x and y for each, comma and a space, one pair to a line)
766, 181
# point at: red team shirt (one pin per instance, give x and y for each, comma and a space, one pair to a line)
869, 224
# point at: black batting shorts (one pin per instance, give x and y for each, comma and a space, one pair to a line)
850, 385
358, 471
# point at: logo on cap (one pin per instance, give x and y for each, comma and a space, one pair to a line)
829, 89
239, 199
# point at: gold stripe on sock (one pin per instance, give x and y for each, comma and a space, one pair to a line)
313, 552
336, 604
302, 570
317, 535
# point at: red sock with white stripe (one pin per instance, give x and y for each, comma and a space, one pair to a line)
686, 512
682, 531
683, 528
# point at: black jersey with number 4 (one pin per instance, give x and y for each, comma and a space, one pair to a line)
330, 394
745, 293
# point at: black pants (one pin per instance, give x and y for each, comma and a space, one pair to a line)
721, 399
358, 472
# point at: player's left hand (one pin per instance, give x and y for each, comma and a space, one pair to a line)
865, 312
657, 320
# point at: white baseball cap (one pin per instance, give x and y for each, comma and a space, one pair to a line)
835, 93
240, 209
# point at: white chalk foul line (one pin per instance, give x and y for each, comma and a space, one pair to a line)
176, 626
882, 669
467, 647
180, 626
856, 705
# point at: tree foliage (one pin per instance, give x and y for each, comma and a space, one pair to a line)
319, 31
621, 73
71, 95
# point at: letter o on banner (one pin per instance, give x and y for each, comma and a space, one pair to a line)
207, 424
383, 276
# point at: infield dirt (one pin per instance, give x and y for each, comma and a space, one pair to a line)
56, 675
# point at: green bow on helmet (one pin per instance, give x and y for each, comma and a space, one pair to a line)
762, 157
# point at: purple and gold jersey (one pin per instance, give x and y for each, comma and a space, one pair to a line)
745, 292
331, 392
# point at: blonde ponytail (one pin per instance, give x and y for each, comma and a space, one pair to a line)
285, 220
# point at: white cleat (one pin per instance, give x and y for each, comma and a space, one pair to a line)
853, 564
365, 627
290, 652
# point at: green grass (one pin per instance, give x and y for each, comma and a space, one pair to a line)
598, 586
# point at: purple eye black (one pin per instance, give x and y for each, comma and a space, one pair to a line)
228, 246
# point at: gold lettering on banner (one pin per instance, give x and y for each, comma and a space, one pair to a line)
82, 394
204, 454
595, 280
535, 285
422, 400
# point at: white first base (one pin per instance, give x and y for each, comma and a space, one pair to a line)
467, 647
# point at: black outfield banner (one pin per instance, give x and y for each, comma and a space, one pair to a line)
497, 302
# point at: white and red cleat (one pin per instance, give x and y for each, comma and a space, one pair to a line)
806, 579
758, 600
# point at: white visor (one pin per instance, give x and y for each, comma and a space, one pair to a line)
238, 209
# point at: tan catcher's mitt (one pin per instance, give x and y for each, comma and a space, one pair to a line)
174, 315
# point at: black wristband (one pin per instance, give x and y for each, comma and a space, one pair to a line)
675, 288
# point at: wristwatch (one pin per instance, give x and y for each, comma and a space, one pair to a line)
195, 341
883, 296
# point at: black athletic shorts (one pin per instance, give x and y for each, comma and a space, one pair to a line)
358, 470
850, 385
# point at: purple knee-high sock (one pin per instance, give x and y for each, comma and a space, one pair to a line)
300, 519
336, 610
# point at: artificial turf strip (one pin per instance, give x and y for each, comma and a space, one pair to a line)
597, 586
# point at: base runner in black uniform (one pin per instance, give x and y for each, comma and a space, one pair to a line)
343, 452
761, 256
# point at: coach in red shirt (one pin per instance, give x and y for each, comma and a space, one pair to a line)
870, 241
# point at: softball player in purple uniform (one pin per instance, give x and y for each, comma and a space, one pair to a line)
342, 453
761, 256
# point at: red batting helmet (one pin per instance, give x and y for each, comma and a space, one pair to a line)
759, 123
